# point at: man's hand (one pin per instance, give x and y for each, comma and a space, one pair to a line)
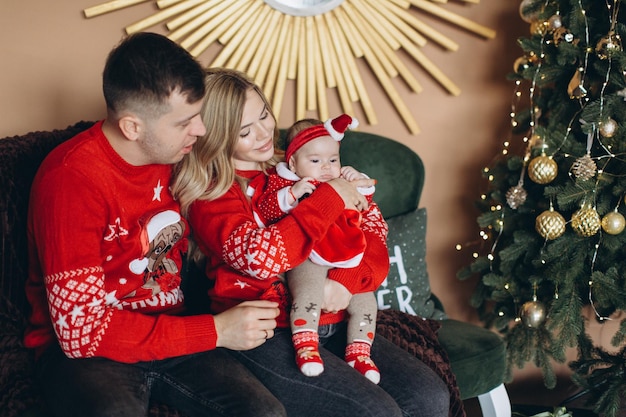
336, 296
246, 325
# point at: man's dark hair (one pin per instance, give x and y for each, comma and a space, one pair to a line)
145, 69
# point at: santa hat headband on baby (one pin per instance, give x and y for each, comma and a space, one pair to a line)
335, 128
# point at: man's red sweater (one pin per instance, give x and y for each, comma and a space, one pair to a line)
106, 243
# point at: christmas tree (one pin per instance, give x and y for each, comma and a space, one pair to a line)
552, 221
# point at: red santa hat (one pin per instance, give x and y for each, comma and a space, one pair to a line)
335, 128
155, 225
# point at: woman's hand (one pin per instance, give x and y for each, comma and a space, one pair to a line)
336, 296
348, 192
246, 325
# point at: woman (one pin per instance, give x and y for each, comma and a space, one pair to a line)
244, 262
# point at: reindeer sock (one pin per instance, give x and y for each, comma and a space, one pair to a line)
308, 359
358, 357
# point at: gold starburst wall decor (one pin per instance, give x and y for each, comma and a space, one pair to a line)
314, 43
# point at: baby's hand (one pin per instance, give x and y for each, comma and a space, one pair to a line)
300, 188
348, 173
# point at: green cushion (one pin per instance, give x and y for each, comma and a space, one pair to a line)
407, 287
477, 356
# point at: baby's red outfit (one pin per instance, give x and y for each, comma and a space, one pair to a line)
344, 243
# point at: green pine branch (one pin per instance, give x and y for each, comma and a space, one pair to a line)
574, 106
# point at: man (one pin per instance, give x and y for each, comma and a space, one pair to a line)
107, 242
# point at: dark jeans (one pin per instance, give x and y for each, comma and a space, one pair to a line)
203, 385
407, 386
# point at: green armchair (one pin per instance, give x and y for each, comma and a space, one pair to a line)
476, 355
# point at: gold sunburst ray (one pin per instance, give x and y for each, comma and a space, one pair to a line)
314, 43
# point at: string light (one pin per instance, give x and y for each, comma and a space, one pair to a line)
613, 21
587, 51
591, 302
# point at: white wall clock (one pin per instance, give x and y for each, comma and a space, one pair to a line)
315, 43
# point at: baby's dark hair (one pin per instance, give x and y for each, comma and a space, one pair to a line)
298, 127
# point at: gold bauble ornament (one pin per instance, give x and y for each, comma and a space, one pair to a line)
542, 169
586, 221
516, 196
550, 224
613, 223
608, 45
533, 313
584, 168
608, 128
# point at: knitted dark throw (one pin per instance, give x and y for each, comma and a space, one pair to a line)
419, 337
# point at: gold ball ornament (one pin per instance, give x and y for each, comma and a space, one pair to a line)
550, 224
586, 221
608, 128
533, 313
542, 169
608, 45
584, 168
613, 223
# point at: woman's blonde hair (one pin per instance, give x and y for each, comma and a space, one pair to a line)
209, 170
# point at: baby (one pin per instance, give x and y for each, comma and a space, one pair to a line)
311, 158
